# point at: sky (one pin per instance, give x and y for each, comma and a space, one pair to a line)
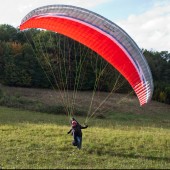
146, 21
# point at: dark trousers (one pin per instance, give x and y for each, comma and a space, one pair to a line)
77, 141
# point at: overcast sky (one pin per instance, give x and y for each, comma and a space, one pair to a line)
146, 21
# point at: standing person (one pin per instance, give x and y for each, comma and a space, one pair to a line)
76, 132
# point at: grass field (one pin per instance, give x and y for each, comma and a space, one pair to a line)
123, 140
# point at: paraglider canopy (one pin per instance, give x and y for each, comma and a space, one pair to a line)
102, 36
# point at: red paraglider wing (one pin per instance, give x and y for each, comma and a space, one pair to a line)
99, 41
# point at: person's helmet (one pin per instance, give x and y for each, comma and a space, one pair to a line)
74, 123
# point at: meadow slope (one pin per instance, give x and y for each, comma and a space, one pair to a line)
128, 137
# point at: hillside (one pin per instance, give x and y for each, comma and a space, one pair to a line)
128, 137
115, 102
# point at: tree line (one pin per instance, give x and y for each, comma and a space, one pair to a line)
42, 59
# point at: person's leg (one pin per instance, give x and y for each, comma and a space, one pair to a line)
74, 140
74, 143
79, 141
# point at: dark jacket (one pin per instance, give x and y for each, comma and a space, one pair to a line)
76, 131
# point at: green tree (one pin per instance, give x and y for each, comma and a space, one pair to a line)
8, 33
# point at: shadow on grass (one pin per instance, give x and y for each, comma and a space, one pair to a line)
110, 153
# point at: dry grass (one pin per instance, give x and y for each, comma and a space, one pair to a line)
115, 103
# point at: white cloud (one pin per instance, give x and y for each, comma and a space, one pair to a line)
150, 30
12, 12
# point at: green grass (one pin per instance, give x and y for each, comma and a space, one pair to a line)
122, 141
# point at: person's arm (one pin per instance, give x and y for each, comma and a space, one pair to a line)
84, 127
69, 131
